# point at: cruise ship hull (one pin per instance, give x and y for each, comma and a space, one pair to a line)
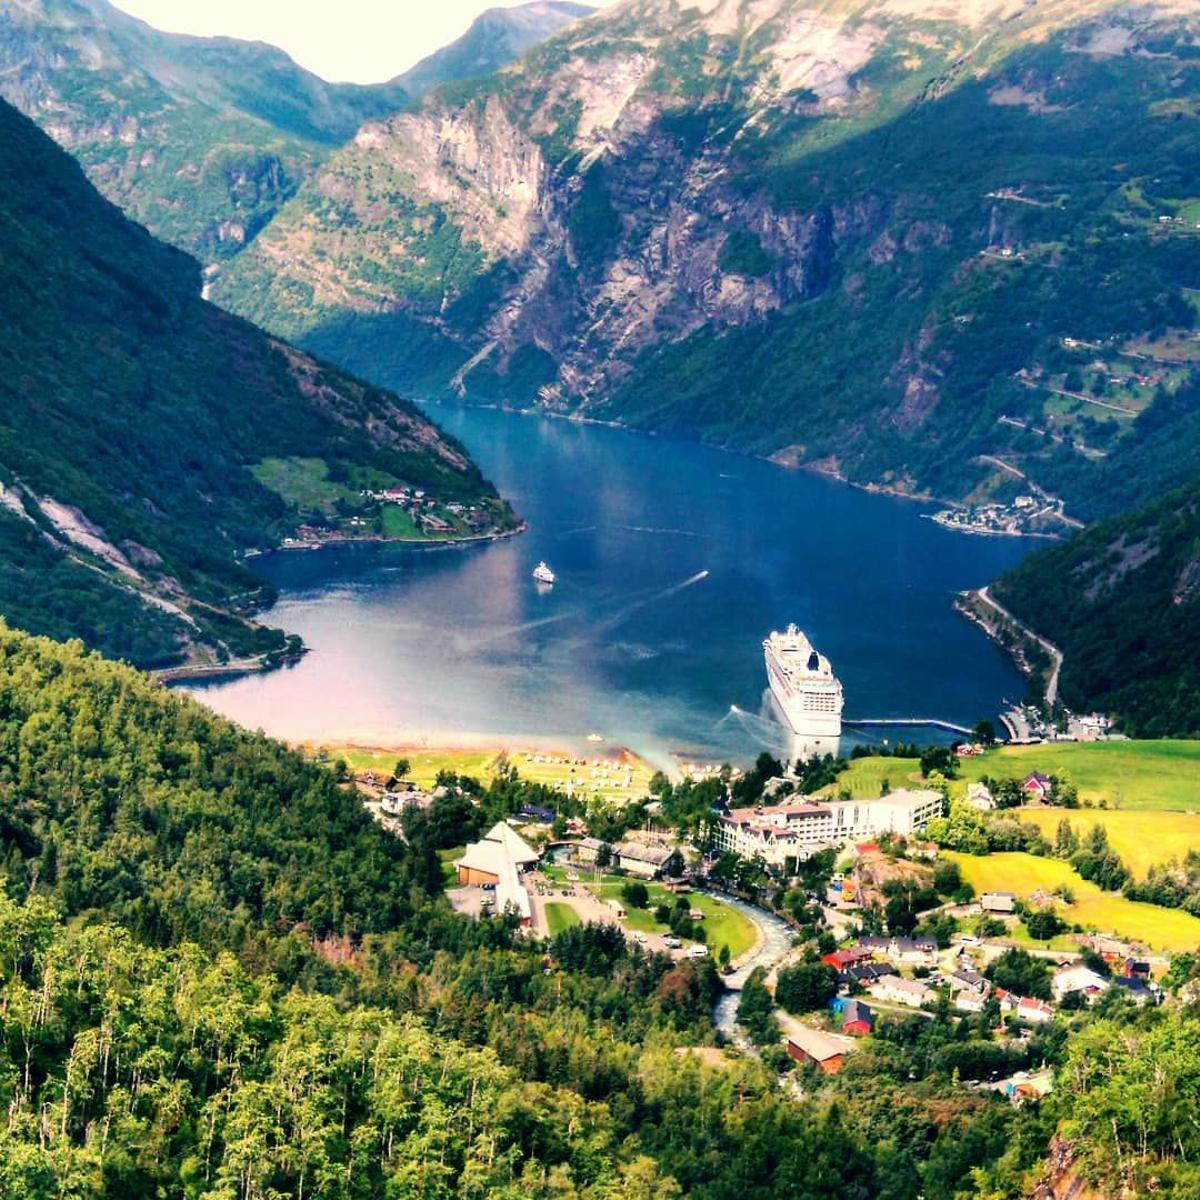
797, 706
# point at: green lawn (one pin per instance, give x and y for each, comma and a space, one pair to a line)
1162, 774
397, 522
1103, 912
449, 872
865, 776
560, 916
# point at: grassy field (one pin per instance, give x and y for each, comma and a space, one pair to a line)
483, 764
723, 926
1103, 912
302, 482
1143, 775
865, 776
561, 916
1142, 838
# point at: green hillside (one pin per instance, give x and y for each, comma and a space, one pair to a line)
928, 252
199, 139
1122, 602
133, 416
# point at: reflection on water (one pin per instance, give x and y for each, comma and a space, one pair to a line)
673, 561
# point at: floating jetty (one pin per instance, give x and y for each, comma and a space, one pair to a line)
933, 722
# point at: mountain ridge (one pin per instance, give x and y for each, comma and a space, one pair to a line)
199, 139
662, 194
495, 38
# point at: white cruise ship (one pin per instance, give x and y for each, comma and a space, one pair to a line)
543, 574
803, 684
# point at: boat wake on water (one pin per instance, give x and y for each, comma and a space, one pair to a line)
610, 623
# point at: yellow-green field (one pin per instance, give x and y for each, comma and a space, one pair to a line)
1164, 929
1142, 838
602, 782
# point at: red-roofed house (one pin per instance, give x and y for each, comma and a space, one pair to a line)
1038, 785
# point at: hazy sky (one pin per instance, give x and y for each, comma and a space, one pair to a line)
362, 40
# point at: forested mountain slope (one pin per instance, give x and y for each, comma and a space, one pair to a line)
1122, 602
924, 245
220, 978
133, 415
200, 139
496, 37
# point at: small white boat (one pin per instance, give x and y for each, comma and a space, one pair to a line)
543, 574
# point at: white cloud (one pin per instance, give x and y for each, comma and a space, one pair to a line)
361, 40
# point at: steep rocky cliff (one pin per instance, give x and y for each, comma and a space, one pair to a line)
858, 236
200, 139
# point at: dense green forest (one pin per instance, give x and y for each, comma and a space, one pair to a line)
220, 978
131, 416
1122, 602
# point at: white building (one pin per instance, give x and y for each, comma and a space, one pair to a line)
1078, 979
895, 990
496, 861
797, 830
979, 796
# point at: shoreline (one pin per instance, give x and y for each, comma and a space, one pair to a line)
778, 458
381, 540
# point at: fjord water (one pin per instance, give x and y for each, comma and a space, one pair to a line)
674, 560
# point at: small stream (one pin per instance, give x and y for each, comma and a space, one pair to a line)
777, 941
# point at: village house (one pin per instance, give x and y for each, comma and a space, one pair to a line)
644, 861
979, 796
1037, 786
857, 1018
588, 849
1078, 978
826, 1050
398, 801
964, 979
864, 974
917, 952
840, 959
969, 1002
1138, 990
1033, 1011
894, 990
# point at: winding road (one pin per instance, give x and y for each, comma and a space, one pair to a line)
1055, 653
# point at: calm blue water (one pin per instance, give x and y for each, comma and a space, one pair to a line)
633, 643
